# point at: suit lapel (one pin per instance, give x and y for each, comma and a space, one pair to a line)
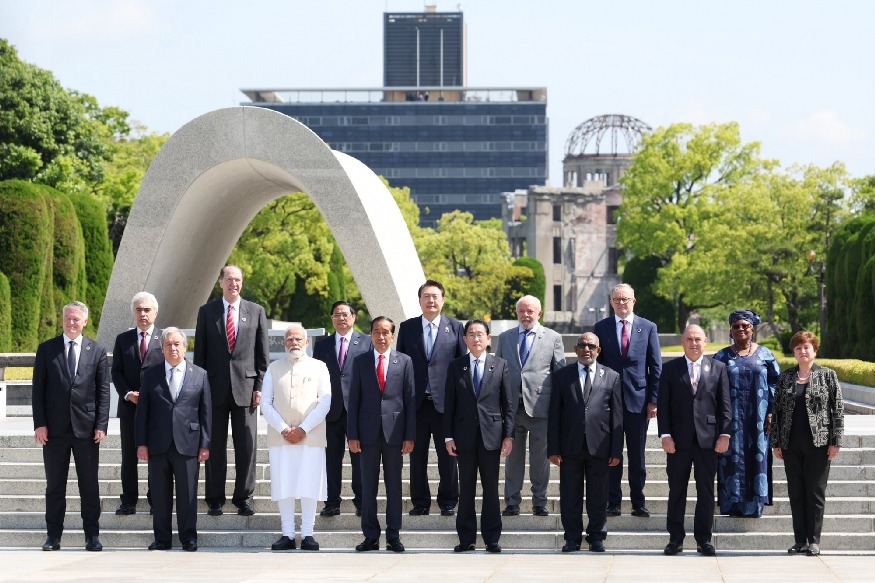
62, 358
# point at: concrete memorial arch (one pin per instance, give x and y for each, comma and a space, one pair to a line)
207, 184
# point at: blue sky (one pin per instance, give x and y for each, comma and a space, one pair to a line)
797, 75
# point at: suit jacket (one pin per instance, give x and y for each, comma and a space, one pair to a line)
340, 378
493, 411
533, 382
448, 346
236, 375
598, 423
641, 369
824, 404
393, 410
61, 403
127, 368
686, 418
161, 423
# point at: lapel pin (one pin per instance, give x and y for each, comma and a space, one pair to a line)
395, 361
464, 368
447, 329
244, 319
355, 341
88, 347
707, 368
155, 337
491, 368
639, 330
601, 372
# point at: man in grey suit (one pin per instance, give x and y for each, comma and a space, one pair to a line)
173, 436
337, 351
70, 414
382, 427
532, 353
478, 423
694, 414
135, 350
231, 344
585, 438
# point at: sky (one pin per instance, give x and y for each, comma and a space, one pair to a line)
797, 75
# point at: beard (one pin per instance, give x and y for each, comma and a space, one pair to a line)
295, 354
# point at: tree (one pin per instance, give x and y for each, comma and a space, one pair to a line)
675, 209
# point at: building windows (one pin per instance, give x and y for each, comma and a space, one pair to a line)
612, 214
557, 250
557, 298
612, 260
557, 212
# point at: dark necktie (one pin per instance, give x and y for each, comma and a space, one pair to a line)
587, 385
71, 360
230, 330
477, 377
341, 355
524, 348
143, 346
381, 373
624, 341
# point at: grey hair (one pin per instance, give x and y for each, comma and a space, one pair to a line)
173, 330
529, 298
144, 296
623, 286
79, 306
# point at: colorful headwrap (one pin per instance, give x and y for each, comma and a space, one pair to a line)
746, 315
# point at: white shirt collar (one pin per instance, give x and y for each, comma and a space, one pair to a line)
689, 362
534, 328
482, 358
630, 318
426, 321
236, 305
68, 340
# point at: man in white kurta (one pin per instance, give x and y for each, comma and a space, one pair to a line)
295, 398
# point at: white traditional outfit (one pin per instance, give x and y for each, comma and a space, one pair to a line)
297, 393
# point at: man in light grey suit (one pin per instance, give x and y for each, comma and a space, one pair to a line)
532, 353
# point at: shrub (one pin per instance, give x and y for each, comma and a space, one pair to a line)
5, 315
98, 255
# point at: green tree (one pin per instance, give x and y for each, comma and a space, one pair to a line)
5, 314
98, 255
641, 273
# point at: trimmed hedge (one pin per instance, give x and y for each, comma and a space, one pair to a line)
25, 239
98, 255
5, 315
856, 372
68, 255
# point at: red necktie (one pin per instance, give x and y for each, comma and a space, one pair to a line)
624, 341
143, 347
381, 373
229, 329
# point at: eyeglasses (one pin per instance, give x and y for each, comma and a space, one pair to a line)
341, 315
741, 326
622, 300
476, 335
587, 345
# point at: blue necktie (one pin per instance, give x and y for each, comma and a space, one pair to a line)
477, 377
524, 348
430, 344
71, 360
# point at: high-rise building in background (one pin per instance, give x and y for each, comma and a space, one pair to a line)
454, 146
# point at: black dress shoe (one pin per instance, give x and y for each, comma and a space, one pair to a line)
447, 511
614, 510
706, 549
330, 511
126, 510
156, 546
245, 509
308, 543
673, 548
493, 548
369, 544
394, 545
570, 547
190, 546
511, 510
215, 509
152, 510
358, 511
640, 511
419, 511
283, 543
813, 550
463, 548
540, 511
597, 546
52, 544
92, 543
797, 549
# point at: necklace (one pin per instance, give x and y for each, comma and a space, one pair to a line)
738, 352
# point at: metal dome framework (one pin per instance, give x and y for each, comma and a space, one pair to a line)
587, 138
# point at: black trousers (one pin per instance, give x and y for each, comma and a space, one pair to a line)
576, 473
807, 469
334, 450
678, 466
244, 425
635, 427
389, 456
487, 463
56, 459
130, 479
165, 470
430, 430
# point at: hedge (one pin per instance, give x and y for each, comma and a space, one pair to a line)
856, 372
68, 255
5, 315
98, 255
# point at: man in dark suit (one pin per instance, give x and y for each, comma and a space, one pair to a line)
173, 434
382, 427
478, 420
694, 416
532, 353
432, 341
585, 438
337, 351
231, 344
135, 351
630, 346
70, 403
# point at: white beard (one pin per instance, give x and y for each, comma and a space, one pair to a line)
295, 355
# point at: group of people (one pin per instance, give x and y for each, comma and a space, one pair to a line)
438, 387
